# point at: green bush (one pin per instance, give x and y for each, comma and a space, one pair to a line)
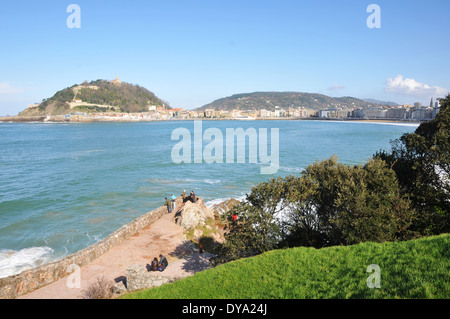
327, 204
421, 161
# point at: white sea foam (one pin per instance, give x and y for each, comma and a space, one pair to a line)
13, 262
414, 124
185, 180
397, 124
291, 169
206, 181
216, 201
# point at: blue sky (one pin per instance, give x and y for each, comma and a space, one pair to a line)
190, 53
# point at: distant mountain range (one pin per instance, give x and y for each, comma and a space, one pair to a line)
97, 96
381, 102
286, 100
118, 96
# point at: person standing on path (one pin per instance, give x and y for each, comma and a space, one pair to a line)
169, 205
173, 202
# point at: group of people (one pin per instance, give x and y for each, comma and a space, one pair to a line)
171, 204
159, 265
191, 197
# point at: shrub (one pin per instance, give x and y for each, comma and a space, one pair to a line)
328, 204
421, 161
100, 289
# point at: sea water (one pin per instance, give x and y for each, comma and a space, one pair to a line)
65, 186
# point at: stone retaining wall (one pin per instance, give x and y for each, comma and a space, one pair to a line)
32, 279
138, 277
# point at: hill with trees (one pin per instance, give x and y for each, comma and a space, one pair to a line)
97, 96
272, 100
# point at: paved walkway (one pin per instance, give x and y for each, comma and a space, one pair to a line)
161, 237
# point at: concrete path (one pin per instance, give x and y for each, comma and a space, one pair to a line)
161, 237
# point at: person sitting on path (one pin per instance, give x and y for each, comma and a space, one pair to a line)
169, 205
155, 264
162, 263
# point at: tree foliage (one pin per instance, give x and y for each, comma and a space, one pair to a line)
333, 204
131, 98
124, 97
327, 204
421, 161
254, 228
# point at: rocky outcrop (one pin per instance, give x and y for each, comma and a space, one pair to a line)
138, 277
222, 208
20, 119
195, 214
192, 215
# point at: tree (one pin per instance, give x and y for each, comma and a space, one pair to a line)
370, 206
329, 203
333, 203
254, 228
421, 161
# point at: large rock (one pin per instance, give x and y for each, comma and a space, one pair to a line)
139, 278
192, 215
222, 208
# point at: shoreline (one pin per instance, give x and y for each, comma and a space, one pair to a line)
44, 279
208, 204
34, 278
43, 119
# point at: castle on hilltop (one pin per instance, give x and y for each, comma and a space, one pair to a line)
116, 81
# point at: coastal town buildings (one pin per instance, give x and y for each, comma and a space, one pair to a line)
396, 112
405, 112
418, 112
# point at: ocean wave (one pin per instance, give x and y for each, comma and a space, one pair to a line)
206, 181
283, 168
185, 180
415, 124
216, 201
291, 169
14, 262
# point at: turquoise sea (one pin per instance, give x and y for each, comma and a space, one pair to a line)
65, 186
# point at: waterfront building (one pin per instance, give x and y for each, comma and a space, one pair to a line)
209, 113
422, 113
374, 112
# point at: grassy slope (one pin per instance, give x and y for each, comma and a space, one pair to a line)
412, 269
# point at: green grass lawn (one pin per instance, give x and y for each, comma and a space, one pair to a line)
411, 269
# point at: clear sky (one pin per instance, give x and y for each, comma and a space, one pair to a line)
190, 53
